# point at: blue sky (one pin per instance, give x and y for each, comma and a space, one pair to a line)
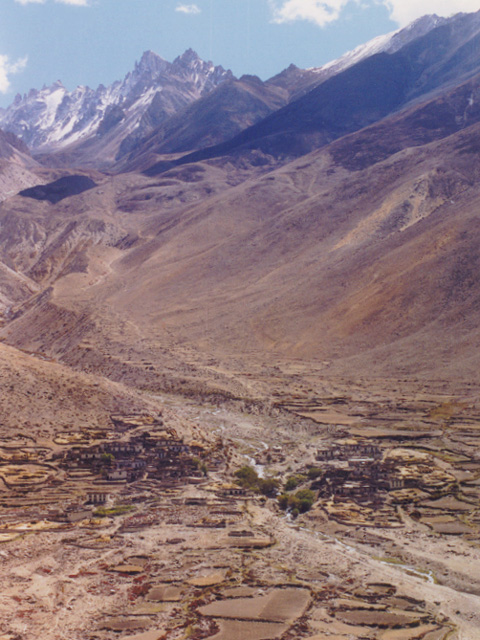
97, 41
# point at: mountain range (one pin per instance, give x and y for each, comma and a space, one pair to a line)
182, 226
54, 119
99, 127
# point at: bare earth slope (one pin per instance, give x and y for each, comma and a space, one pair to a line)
16, 165
48, 397
340, 254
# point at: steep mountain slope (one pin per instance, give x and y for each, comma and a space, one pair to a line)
351, 254
311, 265
219, 116
15, 164
362, 94
300, 81
361, 254
49, 398
11, 147
16, 172
54, 119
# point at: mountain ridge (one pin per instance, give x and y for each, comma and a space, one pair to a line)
359, 95
52, 118
98, 127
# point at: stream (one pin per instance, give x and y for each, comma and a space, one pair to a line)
424, 575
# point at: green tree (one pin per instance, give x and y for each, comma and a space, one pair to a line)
268, 486
107, 459
283, 501
300, 502
304, 500
293, 481
247, 477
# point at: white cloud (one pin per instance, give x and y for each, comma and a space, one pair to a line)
76, 3
8, 68
322, 12
404, 11
190, 9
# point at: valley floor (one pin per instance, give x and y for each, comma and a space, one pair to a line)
200, 557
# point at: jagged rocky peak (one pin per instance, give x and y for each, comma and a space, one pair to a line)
55, 86
190, 61
291, 71
425, 23
188, 58
294, 80
292, 68
54, 118
416, 29
151, 62
251, 79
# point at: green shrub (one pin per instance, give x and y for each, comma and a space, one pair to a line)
301, 501
305, 498
201, 466
283, 501
293, 482
247, 477
268, 486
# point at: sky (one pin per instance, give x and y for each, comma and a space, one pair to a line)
92, 42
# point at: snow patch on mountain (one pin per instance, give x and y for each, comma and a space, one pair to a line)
377, 45
111, 121
387, 43
54, 118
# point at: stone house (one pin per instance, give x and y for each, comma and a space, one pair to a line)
97, 497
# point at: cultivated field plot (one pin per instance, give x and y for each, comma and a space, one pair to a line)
27, 474
279, 606
175, 555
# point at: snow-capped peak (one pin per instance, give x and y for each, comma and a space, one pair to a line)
376, 45
388, 43
151, 62
52, 118
188, 57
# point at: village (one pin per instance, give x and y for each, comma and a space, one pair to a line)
138, 455
355, 470
352, 480
155, 526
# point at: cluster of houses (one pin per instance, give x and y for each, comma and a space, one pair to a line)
160, 455
356, 470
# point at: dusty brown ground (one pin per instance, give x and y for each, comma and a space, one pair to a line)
158, 570
370, 272
288, 310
